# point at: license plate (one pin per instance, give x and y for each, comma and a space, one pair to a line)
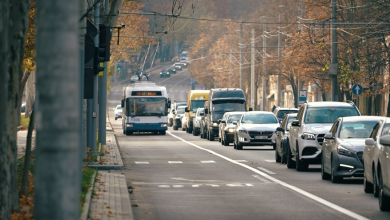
261, 137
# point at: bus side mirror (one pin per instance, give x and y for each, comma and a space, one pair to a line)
206, 111
186, 110
123, 103
169, 102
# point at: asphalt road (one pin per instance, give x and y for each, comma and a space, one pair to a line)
180, 176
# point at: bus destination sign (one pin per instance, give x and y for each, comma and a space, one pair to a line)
146, 93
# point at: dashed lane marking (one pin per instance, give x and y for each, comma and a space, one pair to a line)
208, 161
175, 162
284, 184
270, 161
177, 186
265, 170
141, 162
261, 179
164, 186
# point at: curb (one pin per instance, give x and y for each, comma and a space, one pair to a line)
88, 198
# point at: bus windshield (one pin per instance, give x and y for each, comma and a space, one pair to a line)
195, 104
228, 106
146, 107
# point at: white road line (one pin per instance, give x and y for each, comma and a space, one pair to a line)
241, 161
177, 186
248, 184
261, 179
141, 162
270, 161
195, 185
208, 161
296, 189
265, 170
234, 185
213, 185
175, 162
164, 186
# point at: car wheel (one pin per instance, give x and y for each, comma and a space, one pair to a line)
211, 137
222, 141
239, 146
375, 184
162, 132
368, 187
116, 118
299, 164
225, 142
273, 146
384, 201
324, 175
175, 128
277, 157
129, 132
170, 122
155, 133
290, 163
333, 177
219, 139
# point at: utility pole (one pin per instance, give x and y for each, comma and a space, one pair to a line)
333, 67
83, 146
57, 171
230, 68
103, 95
241, 57
278, 96
95, 106
253, 70
264, 83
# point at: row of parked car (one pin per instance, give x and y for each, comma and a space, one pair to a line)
332, 134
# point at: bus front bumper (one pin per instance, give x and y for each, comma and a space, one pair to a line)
147, 127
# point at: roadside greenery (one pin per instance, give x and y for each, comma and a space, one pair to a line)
85, 184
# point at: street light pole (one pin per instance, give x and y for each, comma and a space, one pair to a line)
333, 71
253, 70
241, 56
279, 65
264, 83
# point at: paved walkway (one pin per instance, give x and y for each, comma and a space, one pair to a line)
22, 141
111, 198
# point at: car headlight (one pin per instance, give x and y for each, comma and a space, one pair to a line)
344, 151
231, 130
167, 73
243, 131
215, 124
308, 136
129, 125
163, 125
160, 73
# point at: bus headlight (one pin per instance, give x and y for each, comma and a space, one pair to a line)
163, 125
129, 125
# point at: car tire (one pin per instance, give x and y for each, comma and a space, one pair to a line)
239, 146
333, 177
367, 186
375, 184
290, 163
225, 142
219, 139
324, 175
175, 128
273, 146
129, 132
201, 135
116, 118
299, 164
211, 137
170, 122
222, 141
163, 132
384, 201
278, 159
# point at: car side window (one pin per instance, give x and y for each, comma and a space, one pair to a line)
333, 130
374, 131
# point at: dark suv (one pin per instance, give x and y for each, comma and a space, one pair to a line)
281, 112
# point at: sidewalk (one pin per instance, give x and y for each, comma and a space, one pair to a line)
21, 141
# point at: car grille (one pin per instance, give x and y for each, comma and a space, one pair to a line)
360, 156
307, 151
320, 139
260, 133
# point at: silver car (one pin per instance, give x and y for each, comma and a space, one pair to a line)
118, 112
255, 128
342, 149
178, 114
226, 127
282, 148
196, 121
371, 152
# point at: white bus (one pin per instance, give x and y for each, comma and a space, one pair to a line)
184, 56
145, 108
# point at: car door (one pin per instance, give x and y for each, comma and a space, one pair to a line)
294, 130
369, 153
279, 136
330, 145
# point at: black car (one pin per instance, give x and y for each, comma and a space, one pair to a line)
172, 70
280, 113
165, 73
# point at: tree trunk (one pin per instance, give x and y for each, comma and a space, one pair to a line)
115, 8
18, 18
57, 170
369, 106
5, 177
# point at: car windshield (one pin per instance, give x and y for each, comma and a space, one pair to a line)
195, 104
228, 106
180, 111
146, 107
289, 120
180, 104
200, 112
282, 113
386, 129
361, 129
328, 114
119, 107
259, 119
134, 77
233, 118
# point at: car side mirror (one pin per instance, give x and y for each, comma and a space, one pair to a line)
206, 111
295, 123
173, 111
280, 129
329, 136
370, 141
235, 122
219, 121
223, 121
186, 110
385, 140
123, 103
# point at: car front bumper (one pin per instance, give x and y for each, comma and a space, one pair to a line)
146, 127
214, 131
246, 140
349, 166
310, 151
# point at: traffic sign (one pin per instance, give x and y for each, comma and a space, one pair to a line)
357, 89
302, 95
